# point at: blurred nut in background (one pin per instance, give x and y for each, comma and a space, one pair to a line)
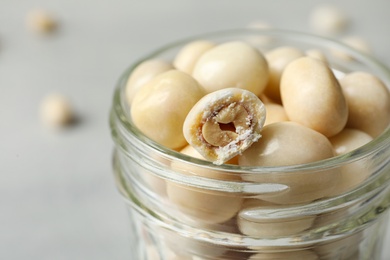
56, 111
41, 21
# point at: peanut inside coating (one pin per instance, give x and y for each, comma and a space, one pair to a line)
227, 125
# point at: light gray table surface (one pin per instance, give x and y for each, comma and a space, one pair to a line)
57, 195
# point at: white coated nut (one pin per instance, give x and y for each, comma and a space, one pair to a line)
203, 206
275, 113
56, 111
354, 42
328, 19
277, 60
260, 40
353, 173
252, 221
40, 21
290, 255
187, 57
368, 102
224, 123
344, 248
289, 143
317, 54
349, 139
142, 74
312, 96
232, 65
160, 107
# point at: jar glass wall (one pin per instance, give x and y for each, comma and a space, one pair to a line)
330, 209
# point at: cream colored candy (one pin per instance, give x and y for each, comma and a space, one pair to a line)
187, 57
275, 113
41, 21
142, 74
290, 255
224, 123
312, 96
289, 143
56, 111
277, 60
343, 248
260, 40
232, 65
368, 102
349, 139
328, 19
251, 222
201, 205
354, 42
160, 107
355, 172
317, 54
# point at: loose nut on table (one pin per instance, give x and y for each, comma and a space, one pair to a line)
56, 111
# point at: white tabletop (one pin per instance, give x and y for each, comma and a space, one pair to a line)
57, 195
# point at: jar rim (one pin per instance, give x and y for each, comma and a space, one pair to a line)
378, 143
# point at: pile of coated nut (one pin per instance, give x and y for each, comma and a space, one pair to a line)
229, 99
230, 103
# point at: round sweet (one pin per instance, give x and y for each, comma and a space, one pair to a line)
368, 102
277, 60
328, 19
202, 205
274, 113
187, 57
312, 96
142, 74
290, 255
232, 65
160, 107
252, 223
289, 143
56, 111
355, 172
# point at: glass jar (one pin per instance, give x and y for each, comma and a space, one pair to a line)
186, 208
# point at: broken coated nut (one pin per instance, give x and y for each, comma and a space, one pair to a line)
224, 123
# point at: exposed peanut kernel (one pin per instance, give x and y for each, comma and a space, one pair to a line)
224, 123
